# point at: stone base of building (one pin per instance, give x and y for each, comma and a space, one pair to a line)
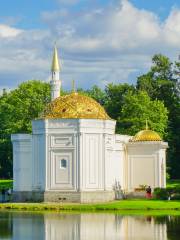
131, 195
57, 196
28, 196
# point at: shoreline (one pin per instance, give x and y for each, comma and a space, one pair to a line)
130, 206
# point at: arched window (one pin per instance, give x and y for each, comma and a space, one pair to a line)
63, 163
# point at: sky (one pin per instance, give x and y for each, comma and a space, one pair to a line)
99, 41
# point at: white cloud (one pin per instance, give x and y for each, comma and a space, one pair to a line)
172, 28
98, 46
121, 29
7, 31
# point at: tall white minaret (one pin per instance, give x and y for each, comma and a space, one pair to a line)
55, 82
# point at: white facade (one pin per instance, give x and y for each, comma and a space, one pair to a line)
82, 160
146, 164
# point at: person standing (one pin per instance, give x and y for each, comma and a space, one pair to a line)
148, 192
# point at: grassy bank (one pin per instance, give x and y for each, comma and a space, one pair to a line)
133, 206
124, 205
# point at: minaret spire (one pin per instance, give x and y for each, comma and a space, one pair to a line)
55, 82
55, 61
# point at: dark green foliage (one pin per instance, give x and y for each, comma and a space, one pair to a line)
98, 94
21, 105
164, 193
160, 193
6, 184
162, 82
115, 98
175, 196
6, 164
17, 109
115, 95
136, 109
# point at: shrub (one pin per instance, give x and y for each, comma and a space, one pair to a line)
170, 190
175, 196
165, 193
177, 189
161, 193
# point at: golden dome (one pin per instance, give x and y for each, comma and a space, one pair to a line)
146, 135
74, 105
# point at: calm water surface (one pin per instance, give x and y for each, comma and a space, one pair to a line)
96, 226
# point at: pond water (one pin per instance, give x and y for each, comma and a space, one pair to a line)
87, 226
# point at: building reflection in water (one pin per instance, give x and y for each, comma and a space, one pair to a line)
6, 226
102, 227
20, 226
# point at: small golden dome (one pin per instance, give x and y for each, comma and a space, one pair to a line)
74, 105
146, 135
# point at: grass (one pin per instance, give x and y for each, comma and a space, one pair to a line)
123, 205
6, 184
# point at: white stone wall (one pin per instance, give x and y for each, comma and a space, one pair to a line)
38, 161
22, 162
91, 161
59, 143
146, 164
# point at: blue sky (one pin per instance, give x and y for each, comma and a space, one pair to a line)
100, 41
27, 14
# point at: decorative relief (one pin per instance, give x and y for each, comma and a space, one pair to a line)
60, 124
62, 141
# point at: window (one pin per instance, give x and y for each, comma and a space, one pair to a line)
63, 163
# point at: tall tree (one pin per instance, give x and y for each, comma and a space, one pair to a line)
162, 82
137, 108
115, 98
17, 109
98, 94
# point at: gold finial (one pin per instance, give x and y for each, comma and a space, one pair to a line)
55, 62
147, 125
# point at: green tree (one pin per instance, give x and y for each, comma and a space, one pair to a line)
136, 109
98, 94
17, 109
115, 98
162, 83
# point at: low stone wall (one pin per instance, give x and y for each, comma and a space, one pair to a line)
140, 194
27, 196
97, 196
55, 196
82, 197
58, 196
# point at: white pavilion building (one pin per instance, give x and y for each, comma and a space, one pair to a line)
74, 155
